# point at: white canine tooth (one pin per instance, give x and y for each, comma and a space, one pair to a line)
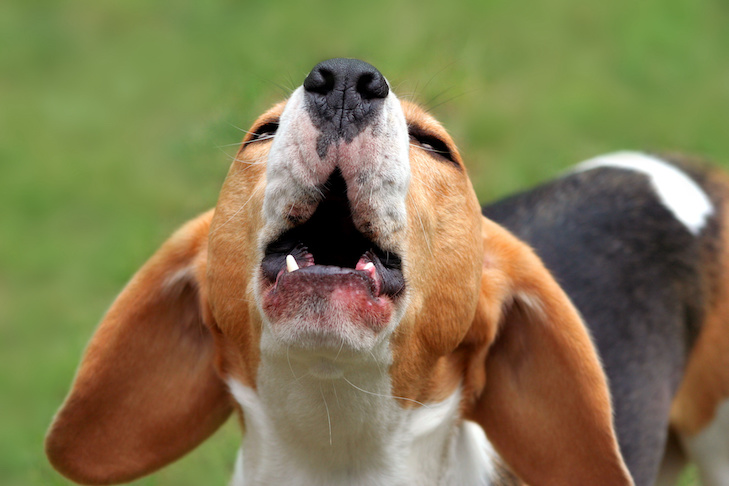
291, 264
368, 266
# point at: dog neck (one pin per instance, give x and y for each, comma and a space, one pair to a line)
330, 423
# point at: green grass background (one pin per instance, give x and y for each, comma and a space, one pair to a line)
117, 119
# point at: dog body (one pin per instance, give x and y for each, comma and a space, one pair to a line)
349, 301
638, 243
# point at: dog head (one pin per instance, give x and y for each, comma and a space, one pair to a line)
347, 247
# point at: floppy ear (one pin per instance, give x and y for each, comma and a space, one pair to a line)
146, 391
545, 405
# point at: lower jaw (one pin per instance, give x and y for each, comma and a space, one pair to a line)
318, 310
316, 338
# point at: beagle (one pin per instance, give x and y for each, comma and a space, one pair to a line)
348, 300
640, 243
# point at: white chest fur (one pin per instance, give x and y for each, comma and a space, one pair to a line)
311, 431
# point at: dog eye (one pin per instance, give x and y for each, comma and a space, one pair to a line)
432, 144
264, 132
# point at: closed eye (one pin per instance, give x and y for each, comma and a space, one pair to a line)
432, 144
264, 132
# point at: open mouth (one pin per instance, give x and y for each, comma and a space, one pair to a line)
329, 252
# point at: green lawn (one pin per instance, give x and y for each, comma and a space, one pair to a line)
117, 119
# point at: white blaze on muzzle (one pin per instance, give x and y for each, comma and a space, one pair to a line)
374, 164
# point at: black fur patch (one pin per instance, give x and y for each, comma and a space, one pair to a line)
636, 275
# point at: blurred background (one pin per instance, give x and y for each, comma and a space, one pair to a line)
118, 121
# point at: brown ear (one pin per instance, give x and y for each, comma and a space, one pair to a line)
545, 405
146, 391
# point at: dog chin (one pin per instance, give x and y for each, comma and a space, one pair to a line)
346, 318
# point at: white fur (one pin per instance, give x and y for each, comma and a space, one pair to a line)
531, 301
237, 478
677, 191
376, 166
184, 274
323, 411
475, 456
709, 449
374, 440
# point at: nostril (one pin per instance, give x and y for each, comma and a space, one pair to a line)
372, 85
342, 97
320, 80
347, 75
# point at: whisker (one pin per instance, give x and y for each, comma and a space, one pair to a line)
228, 145
293, 83
254, 161
448, 100
240, 129
236, 213
298, 381
436, 96
422, 226
288, 360
428, 149
407, 95
267, 137
436, 74
329, 419
340, 350
287, 91
252, 164
334, 389
382, 373
227, 155
381, 395
423, 182
396, 87
427, 185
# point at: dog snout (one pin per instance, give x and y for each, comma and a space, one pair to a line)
343, 120
343, 97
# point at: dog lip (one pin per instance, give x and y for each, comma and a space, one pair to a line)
325, 297
381, 269
319, 273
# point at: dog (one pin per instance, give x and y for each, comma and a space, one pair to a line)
639, 242
347, 298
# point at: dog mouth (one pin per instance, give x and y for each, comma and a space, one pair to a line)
328, 253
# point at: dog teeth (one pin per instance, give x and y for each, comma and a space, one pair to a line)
369, 267
291, 265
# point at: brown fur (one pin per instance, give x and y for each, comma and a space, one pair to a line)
482, 313
540, 357
146, 392
705, 383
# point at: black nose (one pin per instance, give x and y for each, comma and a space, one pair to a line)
344, 96
350, 76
